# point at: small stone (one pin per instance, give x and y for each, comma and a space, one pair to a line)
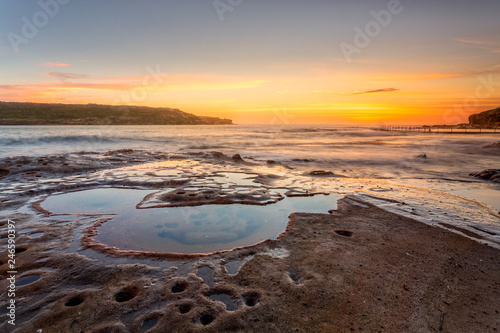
236, 157
321, 173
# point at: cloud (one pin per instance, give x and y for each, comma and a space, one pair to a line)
488, 45
65, 76
375, 91
471, 41
54, 64
68, 83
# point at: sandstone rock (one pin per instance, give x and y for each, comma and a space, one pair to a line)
493, 145
486, 118
489, 174
321, 173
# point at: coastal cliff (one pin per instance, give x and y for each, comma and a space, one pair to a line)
12, 113
486, 118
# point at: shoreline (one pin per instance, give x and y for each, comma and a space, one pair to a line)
358, 267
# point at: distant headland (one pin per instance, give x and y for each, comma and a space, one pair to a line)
484, 122
486, 118
13, 113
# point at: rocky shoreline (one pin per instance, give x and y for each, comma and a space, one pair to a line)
358, 268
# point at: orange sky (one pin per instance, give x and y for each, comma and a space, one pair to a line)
422, 67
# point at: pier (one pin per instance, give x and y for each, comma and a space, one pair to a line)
441, 129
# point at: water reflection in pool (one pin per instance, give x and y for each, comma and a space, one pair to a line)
198, 229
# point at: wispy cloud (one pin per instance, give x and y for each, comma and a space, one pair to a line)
471, 41
383, 90
54, 64
488, 45
70, 84
66, 76
398, 77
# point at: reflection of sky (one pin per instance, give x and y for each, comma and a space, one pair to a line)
264, 56
204, 228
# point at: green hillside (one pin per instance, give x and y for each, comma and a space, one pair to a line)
95, 114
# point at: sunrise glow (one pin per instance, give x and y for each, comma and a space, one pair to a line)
286, 62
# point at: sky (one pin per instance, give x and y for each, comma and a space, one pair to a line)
258, 61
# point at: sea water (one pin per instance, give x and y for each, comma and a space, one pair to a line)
351, 151
198, 229
439, 161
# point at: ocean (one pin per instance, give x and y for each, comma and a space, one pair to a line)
411, 160
360, 151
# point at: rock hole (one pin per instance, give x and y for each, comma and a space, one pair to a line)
179, 286
184, 308
20, 249
206, 319
74, 301
344, 233
295, 276
125, 295
148, 323
27, 279
251, 298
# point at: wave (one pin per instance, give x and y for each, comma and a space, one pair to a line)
71, 139
203, 147
302, 130
57, 139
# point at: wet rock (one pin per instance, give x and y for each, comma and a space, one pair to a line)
120, 151
266, 179
4, 172
493, 145
298, 193
237, 158
220, 156
345, 233
489, 174
148, 324
206, 274
321, 173
273, 163
422, 156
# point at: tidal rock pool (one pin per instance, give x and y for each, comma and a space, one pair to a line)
190, 229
